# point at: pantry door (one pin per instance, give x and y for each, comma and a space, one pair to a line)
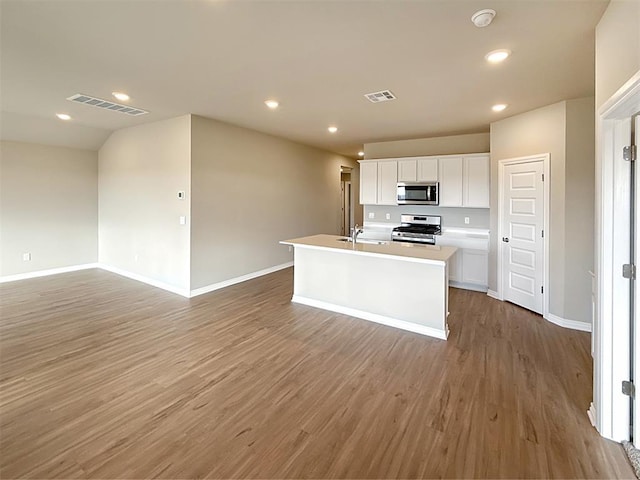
521, 240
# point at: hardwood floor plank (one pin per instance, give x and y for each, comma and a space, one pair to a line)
104, 377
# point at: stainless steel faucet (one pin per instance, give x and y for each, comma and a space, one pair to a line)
355, 232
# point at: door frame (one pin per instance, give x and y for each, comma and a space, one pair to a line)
611, 329
544, 158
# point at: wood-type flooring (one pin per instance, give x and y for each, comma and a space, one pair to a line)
105, 377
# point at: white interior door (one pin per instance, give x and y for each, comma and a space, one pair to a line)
522, 223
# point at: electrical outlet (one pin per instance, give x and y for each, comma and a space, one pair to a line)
136, 258
183, 220
26, 257
388, 216
466, 220
372, 215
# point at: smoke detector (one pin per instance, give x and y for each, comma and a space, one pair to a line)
483, 18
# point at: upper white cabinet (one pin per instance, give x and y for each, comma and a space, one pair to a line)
450, 178
427, 169
387, 182
368, 183
418, 169
464, 179
378, 182
476, 180
407, 170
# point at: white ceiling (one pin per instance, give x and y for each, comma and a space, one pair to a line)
222, 59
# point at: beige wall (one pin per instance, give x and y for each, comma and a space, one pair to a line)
472, 143
48, 207
617, 47
539, 131
579, 207
251, 190
141, 170
565, 130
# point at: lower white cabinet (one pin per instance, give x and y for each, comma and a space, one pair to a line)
474, 267
455, 267
469, 266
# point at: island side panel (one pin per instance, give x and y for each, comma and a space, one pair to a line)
403, 290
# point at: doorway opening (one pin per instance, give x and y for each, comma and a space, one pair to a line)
346, 201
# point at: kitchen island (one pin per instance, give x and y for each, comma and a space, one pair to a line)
402, 285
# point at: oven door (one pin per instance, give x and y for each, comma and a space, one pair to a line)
417, 193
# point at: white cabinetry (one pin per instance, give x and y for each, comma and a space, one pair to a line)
474, 267
450, 178
475, 181
378, 182
368, 183
463, 179
427, 169
455, 267
418, 169
407, 170
387, 182
468, 268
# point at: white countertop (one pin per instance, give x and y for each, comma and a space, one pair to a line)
400, 250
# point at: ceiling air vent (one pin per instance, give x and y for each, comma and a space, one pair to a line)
383, 96
107, 105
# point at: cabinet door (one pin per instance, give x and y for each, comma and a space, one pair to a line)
476, 181
428, 170
475, 266
455, 267
368, 183
450, 178
388, 183
407, 171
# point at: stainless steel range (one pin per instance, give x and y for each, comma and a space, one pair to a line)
417, 229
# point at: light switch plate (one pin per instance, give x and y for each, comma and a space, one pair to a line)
183, 220
181, 194
26, 257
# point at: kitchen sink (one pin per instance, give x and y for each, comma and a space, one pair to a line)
366, 241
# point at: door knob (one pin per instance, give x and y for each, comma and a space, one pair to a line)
505, 239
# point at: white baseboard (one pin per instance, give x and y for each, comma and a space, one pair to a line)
591, 413
242, 278
493, 294
566, 323
149, 281
372, 317
467, 286
45, 273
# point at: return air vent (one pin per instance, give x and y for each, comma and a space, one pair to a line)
383, 96
107, 105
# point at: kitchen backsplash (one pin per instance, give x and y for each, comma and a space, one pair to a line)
451, 217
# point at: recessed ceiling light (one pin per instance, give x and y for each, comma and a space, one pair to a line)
63, 116
272, 104
483, 18
120, 96
499, 107
361, 153
497, 56
332, 129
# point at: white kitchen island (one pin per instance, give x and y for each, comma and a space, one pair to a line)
402, 285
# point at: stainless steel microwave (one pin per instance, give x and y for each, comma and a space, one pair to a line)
418, 193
